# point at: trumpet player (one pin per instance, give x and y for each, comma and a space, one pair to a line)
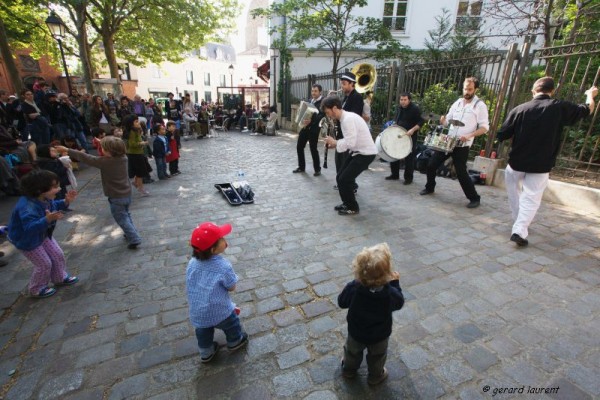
358, 144
310, 134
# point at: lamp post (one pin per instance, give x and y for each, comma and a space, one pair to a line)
231, 75
57, 30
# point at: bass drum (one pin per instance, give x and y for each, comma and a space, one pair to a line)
393, 144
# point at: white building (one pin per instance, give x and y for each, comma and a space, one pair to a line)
213, 68
409, 21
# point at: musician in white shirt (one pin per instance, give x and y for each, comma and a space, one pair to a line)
473, 113
358, 140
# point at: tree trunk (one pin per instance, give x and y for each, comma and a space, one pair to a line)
84, 46
9, 61
548, 26
111, 59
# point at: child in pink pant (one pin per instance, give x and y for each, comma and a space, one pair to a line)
31, 226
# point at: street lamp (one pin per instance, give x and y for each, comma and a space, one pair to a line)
231, 74
57, 30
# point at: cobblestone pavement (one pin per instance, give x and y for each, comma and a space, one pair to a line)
479, 312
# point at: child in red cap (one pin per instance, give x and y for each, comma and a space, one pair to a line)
209, 279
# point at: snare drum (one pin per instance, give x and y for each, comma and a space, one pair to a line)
393, 144
441, 141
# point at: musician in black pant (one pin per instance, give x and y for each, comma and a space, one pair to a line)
310, 134
358, 144
408, 117
352, 102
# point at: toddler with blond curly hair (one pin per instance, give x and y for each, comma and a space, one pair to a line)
370, 298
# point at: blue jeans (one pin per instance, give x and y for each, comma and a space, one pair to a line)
233, 333
161, 167
119, 208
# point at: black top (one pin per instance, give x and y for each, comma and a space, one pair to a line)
353, 103
27, 109
536, 128
409, 116
370, 310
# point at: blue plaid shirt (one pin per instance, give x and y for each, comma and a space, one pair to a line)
207, 289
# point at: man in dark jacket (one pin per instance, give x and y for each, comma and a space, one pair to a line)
535, 128
408, 117
310, 134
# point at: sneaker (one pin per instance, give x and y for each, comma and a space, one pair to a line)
379, 379
392, 178
425, 192
347, 373
340, 207
297, 170
347, 211
68, 281
473, 204
144, 192
214, 353
407, 182
133, 246
45, 292
241, 344
317, 173
521, 242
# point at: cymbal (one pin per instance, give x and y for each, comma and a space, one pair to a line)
455, 122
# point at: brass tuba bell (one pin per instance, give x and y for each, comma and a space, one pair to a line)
366, 75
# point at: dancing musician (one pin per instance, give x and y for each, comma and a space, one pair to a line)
352, 102
535, 128
310, 134
358, 143
473, 114
408, 117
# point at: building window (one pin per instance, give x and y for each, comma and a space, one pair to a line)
207, 79
222, 80
468, 19
208, 97
394, 15
189, 77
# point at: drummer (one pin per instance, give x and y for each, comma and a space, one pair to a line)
409, 118
468, 118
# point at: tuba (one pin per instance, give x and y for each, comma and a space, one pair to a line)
366, 75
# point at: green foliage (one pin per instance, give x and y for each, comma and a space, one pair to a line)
25, 28
331, 25
438, 98
439, 38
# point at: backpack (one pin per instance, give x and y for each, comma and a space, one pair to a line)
422, 158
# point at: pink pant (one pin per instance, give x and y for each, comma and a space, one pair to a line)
48, 264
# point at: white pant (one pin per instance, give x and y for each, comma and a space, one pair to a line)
525, 192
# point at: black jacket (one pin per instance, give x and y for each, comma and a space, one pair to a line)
536, 128
409, 116
370, 311
353, 103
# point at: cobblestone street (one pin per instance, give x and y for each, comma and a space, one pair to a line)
480, 313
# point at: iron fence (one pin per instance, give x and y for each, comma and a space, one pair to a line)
505, 81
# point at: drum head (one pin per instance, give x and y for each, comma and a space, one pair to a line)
393, 144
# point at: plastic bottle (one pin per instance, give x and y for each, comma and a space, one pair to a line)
483, 175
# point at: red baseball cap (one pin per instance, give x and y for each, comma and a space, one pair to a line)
207, 234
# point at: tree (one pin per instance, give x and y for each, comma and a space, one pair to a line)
143, 31
22, 26
313, 25
448, 41
76, 10
516, 18
439, 38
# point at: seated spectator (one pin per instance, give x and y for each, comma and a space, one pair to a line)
11, 145
47, 158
